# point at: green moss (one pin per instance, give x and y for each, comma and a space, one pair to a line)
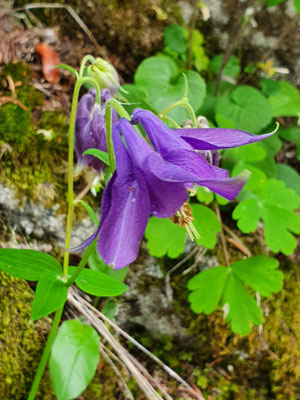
21, 340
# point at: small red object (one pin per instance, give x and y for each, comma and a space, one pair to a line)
49, 59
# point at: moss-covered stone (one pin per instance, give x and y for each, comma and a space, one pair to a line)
21, 340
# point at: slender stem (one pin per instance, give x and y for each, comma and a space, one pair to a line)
82, 263
171, 120
109, 139
94, 83
70, 176
84, 62
45, 356
183, 102
119, 108
223, 239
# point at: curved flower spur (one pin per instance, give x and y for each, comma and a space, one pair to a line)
155, 179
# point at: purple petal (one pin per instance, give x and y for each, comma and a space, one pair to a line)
228, 188
181, 166
218, 138
162, 138
165, 198
125, 210
89, 131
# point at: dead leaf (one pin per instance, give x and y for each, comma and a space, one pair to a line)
49, 59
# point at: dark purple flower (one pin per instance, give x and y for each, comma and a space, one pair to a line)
154, 180
90, 128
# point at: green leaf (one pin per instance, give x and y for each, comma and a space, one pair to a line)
286, 102
256, 180
207, 289
226, 286
240, 307
175, 39
90, 211
272, 3
269, 86
165, 238
51, 294
97, 264
109, 308
247, 108
168, 86
204, 196
27, 264
97, 283
260, 273
247, 213
200, 60
232, 68
74, 359
289, 176
297, 5
207, 224
275, 205
102, 155
155, 70
291, 134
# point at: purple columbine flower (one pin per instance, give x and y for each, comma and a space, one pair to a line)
90, 128
153, 179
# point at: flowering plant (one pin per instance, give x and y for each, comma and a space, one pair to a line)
152, 170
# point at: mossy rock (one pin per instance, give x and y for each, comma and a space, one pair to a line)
21, 340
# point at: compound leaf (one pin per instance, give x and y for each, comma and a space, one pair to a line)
207, 289
247, 214
260, 273
239, 307
207, 224
165, 238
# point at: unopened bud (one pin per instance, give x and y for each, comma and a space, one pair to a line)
105, 74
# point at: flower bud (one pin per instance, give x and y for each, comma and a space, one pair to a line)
105, 74
90, 128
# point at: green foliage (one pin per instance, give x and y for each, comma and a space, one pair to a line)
27, 264
102, 155
167, 238
159, 83
97, 264
51, 294
98, 283
232, 68
275, 205
245, 108
175, 39
225, 286
207, 225
164, 238
286, 101
74, 359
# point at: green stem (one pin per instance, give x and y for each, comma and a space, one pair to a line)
183, 102
119, 108
70, 175
109, 139
84, 61
45, 356
82, 263
171, 120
